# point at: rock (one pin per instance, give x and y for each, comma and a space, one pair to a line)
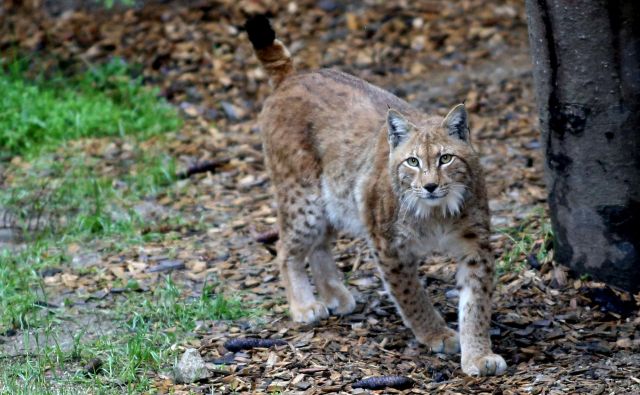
190, 109
190, 368
233, 112
303, 385
624, 342
85, 260
328, 5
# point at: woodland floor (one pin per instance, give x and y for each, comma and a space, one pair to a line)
559, 333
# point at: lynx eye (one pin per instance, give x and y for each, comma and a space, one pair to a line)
413, 162
446, 158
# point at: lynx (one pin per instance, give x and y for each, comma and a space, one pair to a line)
344, 155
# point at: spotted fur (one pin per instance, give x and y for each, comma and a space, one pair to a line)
344, 155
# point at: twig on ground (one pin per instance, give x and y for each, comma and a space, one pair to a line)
381, 382
204, 167
251, 342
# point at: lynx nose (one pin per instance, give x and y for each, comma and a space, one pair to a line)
430, 187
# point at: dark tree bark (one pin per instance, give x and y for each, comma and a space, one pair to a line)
586, 63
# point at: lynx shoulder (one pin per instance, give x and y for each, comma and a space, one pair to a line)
344, 155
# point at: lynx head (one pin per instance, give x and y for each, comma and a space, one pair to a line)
430, 162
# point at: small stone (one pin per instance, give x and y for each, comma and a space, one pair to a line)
624, 342
190, 109
233, 112
190, 368
251, 282
303, 385
328, 5
85, 260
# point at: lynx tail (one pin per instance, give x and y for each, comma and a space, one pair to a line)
273, 55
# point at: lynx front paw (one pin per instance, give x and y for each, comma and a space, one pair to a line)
340, 301
309, 313
446, 342
487, 365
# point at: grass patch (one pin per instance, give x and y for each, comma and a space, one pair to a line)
67, 197
145, 344
74, 198
81, 191
67, 184
156, 324
21, 289
104, 101
532, 238
110, 3
75, 206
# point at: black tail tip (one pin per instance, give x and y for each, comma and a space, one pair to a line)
261, 34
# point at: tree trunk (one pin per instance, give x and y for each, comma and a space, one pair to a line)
586, 64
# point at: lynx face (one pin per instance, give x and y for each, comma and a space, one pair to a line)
429, 164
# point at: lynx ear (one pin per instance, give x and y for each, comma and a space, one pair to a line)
456, 124
397, 127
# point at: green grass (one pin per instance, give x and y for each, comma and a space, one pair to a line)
71, 198
532, 236
61, 191
64, 195
111, 3
48, 111
21, 287
75, 204
152, 326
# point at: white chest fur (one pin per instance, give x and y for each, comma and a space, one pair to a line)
342, 206
425, 238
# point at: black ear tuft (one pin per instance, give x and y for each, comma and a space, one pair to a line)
456, 123
261, 34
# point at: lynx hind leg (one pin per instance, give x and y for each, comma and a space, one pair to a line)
329, 280
302, 225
